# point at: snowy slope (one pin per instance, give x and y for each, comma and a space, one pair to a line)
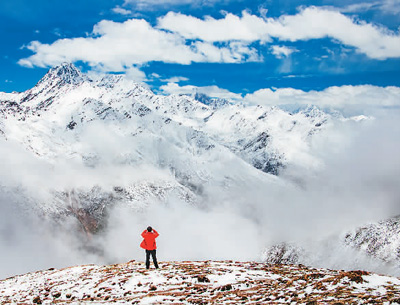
68, 118
380, 240
67, 99
266, 137
375, 242
109, 141
207, 282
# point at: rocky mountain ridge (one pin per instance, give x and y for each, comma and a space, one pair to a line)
379, 241
59, 118
249, 131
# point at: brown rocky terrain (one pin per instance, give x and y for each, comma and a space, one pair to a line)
205, 282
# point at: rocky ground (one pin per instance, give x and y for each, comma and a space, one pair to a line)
207, 282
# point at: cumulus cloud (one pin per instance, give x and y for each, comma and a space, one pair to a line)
212, 91
121, 11
358, 98
282, 51
115, 46
310, 23
176, 79
183, 39
245, 28
135, 74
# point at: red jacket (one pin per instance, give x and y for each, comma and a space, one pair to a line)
149, 241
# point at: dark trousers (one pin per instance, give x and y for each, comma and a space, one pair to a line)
153, 255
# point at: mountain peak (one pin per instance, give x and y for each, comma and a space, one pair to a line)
214, 103
67, 73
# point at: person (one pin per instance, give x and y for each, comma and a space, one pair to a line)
149, 244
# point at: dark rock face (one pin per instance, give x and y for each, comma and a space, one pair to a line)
268, 165
71, 125
214, 103
90, 208
264, 158
67, 73
260, 142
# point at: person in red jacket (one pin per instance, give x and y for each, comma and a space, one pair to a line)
149, 244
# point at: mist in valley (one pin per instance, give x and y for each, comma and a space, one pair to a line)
236, 211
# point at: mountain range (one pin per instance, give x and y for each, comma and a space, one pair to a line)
69, 118
76, 146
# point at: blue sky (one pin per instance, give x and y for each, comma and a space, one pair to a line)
226, 47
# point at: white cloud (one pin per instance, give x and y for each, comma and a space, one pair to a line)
233, 52
176, 79
121, 11
246, 28
150, 5
390, 7
310, 23
212, 91
135, 74
358, 97
115, 46
58, 32
155, 75
282, 51
353, 8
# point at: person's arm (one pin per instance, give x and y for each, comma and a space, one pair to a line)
144, 233
156, 233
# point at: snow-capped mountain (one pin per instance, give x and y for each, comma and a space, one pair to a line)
380, 240
53, 118
74, 147
374, 241
68, 100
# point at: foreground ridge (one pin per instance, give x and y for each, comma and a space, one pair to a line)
206, 282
